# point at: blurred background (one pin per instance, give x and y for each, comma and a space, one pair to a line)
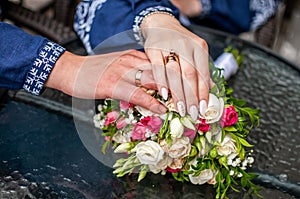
280, 33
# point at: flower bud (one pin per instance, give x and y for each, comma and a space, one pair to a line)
213, 153
223, 161
188, 123
193, 151
122, 148
176, 128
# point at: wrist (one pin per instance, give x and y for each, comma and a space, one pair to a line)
142, 15
64, 72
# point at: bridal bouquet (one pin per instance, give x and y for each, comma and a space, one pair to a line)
212, 149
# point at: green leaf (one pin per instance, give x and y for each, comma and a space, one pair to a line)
244, 142
230, 129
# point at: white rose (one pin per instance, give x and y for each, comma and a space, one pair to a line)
227, 146
180, 148
176, 128
214, 109
205, 176
149, 152
161, 165
177, 163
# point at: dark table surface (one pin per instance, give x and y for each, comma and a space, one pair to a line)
42, 155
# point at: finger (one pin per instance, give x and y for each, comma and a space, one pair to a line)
201, 59
138, 54
137, 96
146, 79
159, 72
190, 87
175, 84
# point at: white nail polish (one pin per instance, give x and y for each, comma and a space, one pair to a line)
194, 112
203, 107
164, 93
181, 108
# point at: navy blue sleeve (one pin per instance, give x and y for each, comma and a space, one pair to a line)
25, 60
236, 16
96, 21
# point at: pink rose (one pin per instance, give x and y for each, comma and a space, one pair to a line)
139, 131
111, 117
121, 123
190, 133
125, 105
202, 126
229, 117
153, 123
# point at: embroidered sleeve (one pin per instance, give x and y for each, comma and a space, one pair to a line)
42, 67
140, 17
206, 7
263, 11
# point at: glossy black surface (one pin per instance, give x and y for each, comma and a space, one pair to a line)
41, 155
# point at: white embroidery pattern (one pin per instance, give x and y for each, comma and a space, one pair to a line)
263, 9
85, 13
42, 67
139, 18
206, 7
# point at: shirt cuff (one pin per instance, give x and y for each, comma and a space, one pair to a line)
42, 67
140, 17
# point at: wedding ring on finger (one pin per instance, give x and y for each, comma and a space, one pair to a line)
171, 57
138, 77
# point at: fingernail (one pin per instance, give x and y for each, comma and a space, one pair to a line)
181, 108
194, 112
203, 107
164, 93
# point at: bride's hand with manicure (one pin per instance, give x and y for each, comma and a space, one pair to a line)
106, 76
188, 79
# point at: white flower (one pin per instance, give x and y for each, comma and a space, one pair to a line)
122, 137
227, 146
250, 160
205, 176
186, 121
214, 109
176, 128
144, 112
122, 148
180, 148
161, 165
231, 172
239, 175
149, 152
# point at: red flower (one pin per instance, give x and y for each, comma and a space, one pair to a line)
202, 126
172, 170
229, 117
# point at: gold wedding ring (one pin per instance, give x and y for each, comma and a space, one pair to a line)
138, 77
171, 57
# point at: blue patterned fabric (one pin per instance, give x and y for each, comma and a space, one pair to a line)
97, 20
236, 16
25, 60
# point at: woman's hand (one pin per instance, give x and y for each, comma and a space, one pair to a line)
106, 76
189, 78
